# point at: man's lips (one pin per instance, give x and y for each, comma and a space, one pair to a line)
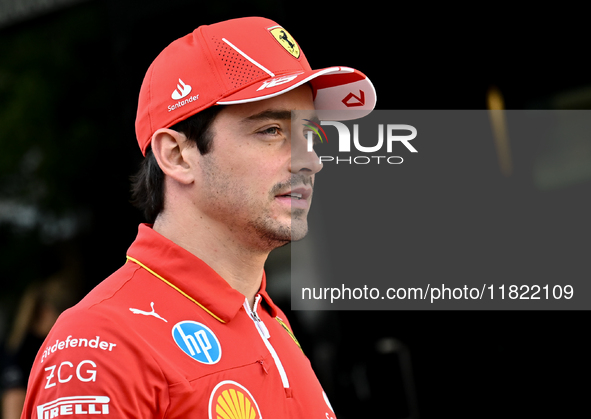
296, 199
296, 193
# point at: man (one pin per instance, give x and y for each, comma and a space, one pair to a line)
185, 328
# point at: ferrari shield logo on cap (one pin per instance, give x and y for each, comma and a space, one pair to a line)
286, 40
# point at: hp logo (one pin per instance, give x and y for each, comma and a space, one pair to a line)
197, 341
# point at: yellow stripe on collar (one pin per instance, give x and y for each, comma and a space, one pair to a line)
174, 286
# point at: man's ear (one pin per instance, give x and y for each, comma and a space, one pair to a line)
168, 146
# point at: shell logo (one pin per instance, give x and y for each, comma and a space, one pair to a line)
230, 400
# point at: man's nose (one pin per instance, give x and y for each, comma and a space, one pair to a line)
303, 160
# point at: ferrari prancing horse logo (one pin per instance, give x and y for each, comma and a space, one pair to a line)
286, 40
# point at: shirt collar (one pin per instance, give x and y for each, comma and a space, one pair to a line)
189, 275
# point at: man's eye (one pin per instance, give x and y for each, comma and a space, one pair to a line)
311, 134
271, 131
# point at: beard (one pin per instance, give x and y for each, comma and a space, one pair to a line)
250, 220
299, 217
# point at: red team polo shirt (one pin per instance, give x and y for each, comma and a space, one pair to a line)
166, 337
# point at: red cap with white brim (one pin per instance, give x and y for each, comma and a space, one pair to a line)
240, 61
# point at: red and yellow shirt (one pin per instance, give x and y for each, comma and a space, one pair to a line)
166, 337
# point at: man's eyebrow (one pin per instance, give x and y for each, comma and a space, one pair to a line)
314, 118
269, 114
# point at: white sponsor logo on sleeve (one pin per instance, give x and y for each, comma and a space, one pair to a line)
65, 373
76, 405
95, 343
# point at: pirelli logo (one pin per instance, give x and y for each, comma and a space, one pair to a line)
77, 405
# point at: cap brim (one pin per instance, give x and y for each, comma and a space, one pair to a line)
340, 93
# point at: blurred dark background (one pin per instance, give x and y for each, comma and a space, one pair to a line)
70, 73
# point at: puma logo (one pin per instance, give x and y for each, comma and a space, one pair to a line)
148, 313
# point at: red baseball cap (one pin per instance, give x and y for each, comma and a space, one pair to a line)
240, 61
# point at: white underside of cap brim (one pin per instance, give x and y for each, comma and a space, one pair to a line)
343, 103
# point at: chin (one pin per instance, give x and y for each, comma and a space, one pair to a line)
299, 232
274, 235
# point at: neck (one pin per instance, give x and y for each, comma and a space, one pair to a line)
216, 244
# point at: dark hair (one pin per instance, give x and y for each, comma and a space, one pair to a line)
147, 185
